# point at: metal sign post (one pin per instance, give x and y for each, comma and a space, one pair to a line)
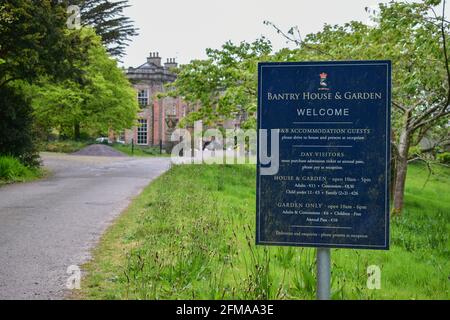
323, 273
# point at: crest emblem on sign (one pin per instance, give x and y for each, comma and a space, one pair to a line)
323, 80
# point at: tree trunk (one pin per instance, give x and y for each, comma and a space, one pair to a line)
394, 154
76, 131
401, 171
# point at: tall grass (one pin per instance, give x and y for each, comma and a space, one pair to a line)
190, 235
12, 170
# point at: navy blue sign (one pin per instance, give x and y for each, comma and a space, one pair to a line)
324, 154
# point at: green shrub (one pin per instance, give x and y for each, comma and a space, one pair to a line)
12, 169
64, 146
444, 157
16, 126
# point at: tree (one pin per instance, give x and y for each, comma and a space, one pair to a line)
109, 22
416, 42
224, 84
15, 129
33, 43
100, 100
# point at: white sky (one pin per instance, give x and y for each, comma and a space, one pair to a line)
183, 29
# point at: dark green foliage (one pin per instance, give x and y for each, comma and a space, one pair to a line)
34, 41
16, 126
107, 18
183, 238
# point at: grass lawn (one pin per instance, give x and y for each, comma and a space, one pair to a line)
71, 146
139, 151
190, 235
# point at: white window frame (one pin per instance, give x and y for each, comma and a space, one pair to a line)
140, 134
143, 96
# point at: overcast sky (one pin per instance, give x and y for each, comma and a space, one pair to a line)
183, 29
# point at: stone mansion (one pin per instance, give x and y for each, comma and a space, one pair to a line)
158, 116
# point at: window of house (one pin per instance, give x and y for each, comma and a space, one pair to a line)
142, 132
143, 98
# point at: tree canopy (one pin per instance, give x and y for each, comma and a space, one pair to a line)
34, 43
100, 100
108, 19
413, 35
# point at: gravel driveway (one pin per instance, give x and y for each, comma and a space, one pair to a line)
48, 225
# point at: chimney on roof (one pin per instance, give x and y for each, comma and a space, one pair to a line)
154, 58
171, 63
